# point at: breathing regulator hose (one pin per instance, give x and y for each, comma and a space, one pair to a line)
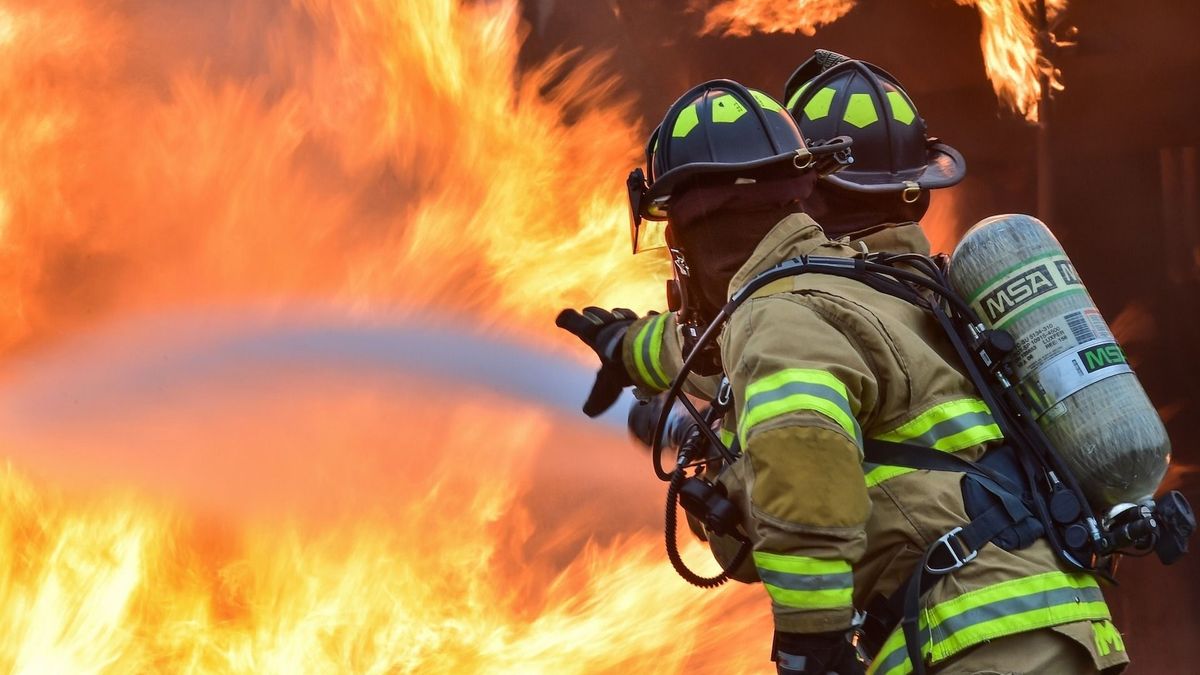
678, 476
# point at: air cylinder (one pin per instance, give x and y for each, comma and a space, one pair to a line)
1070, 369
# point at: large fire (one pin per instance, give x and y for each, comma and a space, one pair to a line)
279, 518
1012, 53
382, 157
378, 153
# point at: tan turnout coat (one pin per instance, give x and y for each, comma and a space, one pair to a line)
817, 363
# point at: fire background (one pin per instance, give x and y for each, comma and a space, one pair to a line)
279, 389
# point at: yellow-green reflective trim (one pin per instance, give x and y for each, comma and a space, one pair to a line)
830, 583
656, 343
1068, 610
687, 120
643, 344
727, 108
765, 101
827, 599
799, 564
1108, 638
824, 385
1037, 583
726, 436
960, 441
902, 112
809, 375
818, 106
860, 111
796, 96
924, 422
949, 427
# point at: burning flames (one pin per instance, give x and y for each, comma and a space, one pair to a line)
744, 17
383, 157
439, 567
1012, 55
381, 154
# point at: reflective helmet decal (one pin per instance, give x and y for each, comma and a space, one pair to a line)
860, 111
818, 107
727, 109
687, 120
902, 112
765, 101
796, 96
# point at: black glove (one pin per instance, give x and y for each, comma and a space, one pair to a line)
816, 654
602, 331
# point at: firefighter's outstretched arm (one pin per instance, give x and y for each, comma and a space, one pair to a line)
799, 385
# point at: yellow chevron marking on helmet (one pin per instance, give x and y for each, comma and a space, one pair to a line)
726, 108
860, 111
796, 96
902, 112
818, 106
765, 101
687, 120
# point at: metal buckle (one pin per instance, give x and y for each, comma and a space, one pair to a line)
959, 561
911, 193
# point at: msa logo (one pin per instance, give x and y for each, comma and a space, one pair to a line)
1033, 282
1102, 356
1066, 272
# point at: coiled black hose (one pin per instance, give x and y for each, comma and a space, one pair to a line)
676, 484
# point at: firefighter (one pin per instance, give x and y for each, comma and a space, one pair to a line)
819, 363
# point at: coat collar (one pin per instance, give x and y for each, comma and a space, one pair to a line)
798, 234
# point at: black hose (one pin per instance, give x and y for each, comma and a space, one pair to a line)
670, 522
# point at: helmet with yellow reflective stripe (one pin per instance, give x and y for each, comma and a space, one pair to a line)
719, 131
831, 95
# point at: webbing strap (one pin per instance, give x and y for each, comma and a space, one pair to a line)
970, 537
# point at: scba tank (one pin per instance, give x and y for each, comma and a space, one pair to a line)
1071, 370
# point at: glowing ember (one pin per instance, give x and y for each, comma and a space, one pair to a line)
1011, 53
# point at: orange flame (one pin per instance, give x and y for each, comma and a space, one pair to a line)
380, 154
1012, 56
438, 566
744, 17
372, 154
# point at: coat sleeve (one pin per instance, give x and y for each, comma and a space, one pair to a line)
653, 356
799, 386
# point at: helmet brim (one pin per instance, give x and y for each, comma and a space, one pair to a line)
945, 167
654, 203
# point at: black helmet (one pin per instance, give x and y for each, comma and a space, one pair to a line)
830, 95
720, 131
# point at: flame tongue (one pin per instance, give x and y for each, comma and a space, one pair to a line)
1012, 56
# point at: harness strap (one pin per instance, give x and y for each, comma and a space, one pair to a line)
952, 550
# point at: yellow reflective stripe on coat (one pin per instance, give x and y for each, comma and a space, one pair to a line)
795, 390
647, 353
1006, 608
949, 427
726, 437
805, 583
